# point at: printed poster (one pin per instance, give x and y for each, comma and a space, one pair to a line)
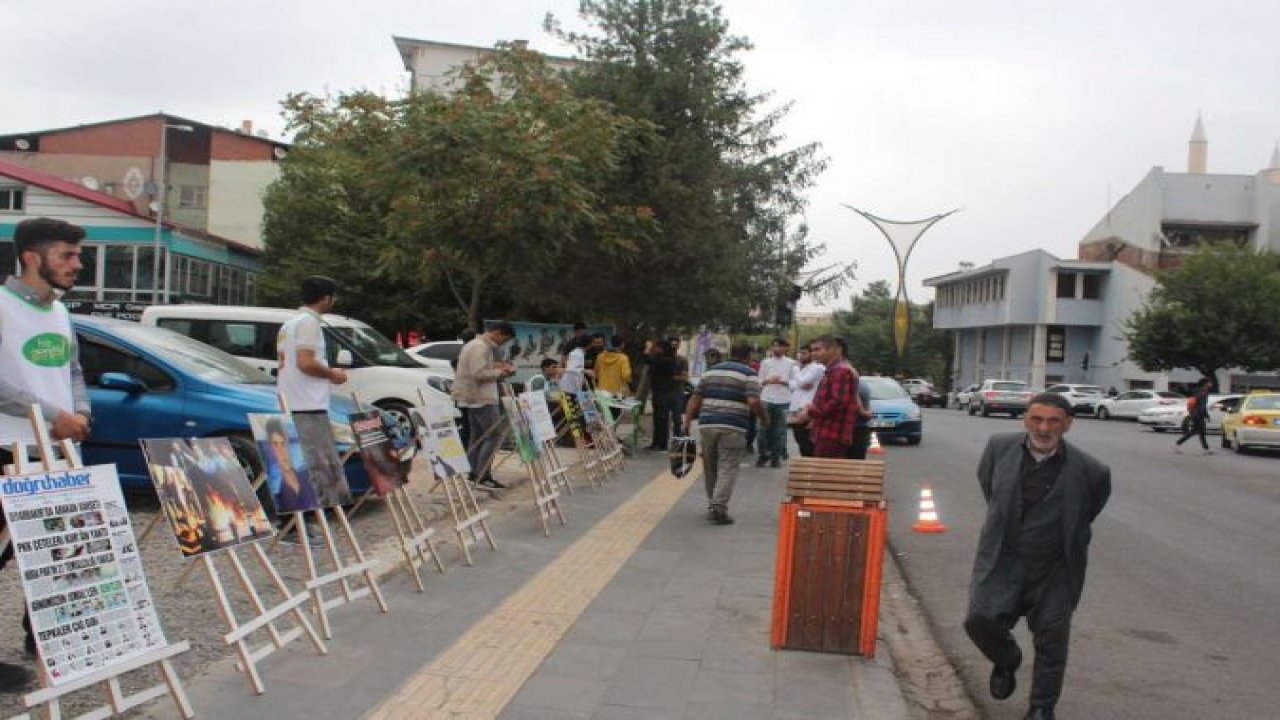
438, 437
287, 475
205, 494
572, 416
534, 403
83, 580
382, 460
521, 433
587, 403
320, 456
535, 341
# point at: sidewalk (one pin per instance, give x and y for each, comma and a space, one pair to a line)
638, 608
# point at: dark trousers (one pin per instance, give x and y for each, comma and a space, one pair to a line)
667, 406
1197, 427
1047, 607
773, 440
801, 433
861, 441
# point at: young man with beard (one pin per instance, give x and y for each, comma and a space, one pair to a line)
34, 321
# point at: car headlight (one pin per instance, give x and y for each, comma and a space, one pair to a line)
913, 414
342, 433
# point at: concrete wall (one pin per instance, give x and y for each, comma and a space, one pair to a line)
1133, 219
235, 206
1208, 198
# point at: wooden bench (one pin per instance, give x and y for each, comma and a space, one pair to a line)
831, 481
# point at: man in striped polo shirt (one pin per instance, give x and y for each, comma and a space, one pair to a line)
727, 395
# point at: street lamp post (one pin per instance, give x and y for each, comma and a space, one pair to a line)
162, 198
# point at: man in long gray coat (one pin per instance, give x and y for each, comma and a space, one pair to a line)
1042, 498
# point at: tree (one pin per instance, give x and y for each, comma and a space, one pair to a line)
476, 196
868, 328
723, 189
1218, 310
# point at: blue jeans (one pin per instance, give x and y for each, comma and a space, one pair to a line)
773, 439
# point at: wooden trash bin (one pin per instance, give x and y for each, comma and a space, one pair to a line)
826, 592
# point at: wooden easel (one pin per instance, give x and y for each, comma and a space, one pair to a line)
611, 449
342, 572
118, 701
546, 497
470, 523
415, 536
593, 470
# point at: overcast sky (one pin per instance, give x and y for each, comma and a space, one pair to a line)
1029, 116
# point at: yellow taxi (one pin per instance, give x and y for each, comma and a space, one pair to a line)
1255, 423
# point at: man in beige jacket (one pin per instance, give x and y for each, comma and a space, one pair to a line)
475, 390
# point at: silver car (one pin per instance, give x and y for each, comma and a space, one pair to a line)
1083, 398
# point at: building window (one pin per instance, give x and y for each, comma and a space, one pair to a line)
1092, 287
192, 196
12, 199
1066, 284
1055, 344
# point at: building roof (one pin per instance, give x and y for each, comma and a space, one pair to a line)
79, 192
8, 141
1001, 266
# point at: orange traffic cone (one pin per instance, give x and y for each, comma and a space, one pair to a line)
874, 448
928, 521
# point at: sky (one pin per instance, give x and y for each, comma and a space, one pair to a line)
1029, 117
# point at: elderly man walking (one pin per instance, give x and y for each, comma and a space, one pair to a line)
726, 396
1042, 498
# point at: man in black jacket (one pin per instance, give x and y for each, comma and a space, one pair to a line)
1042, 498
1197, 417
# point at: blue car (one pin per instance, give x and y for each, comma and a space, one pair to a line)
894, 415
148, 382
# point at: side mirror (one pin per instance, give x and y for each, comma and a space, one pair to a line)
122, 381
344, 358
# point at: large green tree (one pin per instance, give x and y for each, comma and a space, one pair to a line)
1220, 309
724, 189
868, 328
479, 195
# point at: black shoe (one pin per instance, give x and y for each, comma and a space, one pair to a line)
15, 678
775, 463
1039, 713
1004, 679
760, 461
491, 483
720, 517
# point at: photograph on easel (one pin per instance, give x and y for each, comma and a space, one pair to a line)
205, 494
287, 474
320, 455
438, 438
538, 411
521, 432
375, 437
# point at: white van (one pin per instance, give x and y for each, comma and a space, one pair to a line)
378, 371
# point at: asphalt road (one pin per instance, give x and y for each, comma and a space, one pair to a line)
1181, 610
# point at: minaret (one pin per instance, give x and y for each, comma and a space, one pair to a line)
1198, 150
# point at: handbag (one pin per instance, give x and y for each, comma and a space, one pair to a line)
683, 453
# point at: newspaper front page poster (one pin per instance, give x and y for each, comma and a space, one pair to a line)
81, 572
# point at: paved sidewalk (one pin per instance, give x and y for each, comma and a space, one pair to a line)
638, 608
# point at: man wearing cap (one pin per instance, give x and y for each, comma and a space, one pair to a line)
39, 359
1042, 498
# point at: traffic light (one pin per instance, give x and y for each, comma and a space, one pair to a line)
1084, 362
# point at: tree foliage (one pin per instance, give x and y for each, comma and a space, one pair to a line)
1220, 309
482, 195
868, 328
724, 190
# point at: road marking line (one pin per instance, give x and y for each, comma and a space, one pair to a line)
479, 674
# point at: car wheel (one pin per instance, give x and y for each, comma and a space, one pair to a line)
1015, 415
1225, 444
1237, 445
986, 411
971, 409
1103, 414
915, 440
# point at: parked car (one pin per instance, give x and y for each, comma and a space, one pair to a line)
894, 416
1000, 396
962, 397
378, 371
1256, 423
923, 392
1083, 398
147, 382
440, 354
1175, 417
1131, 404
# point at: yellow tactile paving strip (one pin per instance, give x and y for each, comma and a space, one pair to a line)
479, 674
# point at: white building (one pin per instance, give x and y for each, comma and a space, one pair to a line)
433, 65
1037, 318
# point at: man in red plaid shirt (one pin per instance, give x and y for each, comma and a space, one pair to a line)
834, 409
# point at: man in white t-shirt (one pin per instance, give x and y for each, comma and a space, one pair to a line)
775, 394
805, 377
304, 375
